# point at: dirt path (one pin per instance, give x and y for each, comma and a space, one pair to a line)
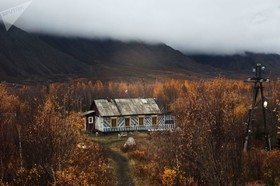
120, 161
122, 169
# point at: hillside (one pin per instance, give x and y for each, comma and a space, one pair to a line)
111, 59
34, 57
240, 65
24, 56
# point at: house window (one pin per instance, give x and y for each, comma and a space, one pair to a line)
141, 120
114, 122
154, 120
90, 120
127, 121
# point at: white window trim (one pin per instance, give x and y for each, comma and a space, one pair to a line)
90, 120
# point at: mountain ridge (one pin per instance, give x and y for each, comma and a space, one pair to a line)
26, 56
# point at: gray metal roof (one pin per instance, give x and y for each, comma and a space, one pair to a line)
125, 107
88, 112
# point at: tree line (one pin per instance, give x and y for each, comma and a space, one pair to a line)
42, 140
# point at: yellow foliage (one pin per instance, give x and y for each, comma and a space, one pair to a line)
169, 177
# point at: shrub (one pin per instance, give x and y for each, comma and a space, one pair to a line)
138, 155
169, 177
271, 168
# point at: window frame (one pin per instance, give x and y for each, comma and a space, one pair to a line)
111, 122
129, 124
90, 120
152, 117
141, 117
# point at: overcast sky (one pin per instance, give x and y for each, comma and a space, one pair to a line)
204, 26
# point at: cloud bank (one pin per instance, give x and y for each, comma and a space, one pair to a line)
200, 26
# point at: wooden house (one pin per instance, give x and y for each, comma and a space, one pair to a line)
120, 115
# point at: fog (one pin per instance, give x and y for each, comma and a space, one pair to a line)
191, 26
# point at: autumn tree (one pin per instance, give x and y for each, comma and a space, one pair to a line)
210, 139
43, 144
11, 110
158, 91
52, 144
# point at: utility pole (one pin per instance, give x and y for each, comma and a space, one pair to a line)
258, 81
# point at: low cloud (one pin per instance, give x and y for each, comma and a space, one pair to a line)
200, 26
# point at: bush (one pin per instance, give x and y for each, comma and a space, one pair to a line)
169, 177
271, 168
139, 155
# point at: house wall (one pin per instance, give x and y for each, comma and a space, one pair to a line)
89, 122
99, 123
103, 124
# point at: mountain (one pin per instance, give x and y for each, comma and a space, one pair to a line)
24, 55
36, 57
234, 65
113, 59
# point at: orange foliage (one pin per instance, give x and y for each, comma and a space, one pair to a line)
41, 127
87, 166
138, 155
39, 146
169, 177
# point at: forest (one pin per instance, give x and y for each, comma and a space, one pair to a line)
43, 142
